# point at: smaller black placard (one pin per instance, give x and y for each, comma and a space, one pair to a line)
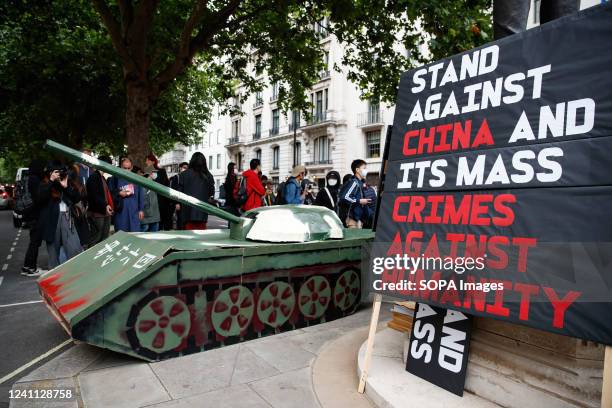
439, 346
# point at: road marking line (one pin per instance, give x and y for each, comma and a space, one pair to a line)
12, 249
21, 303
36, 360
4, 267
1, 279
9, 256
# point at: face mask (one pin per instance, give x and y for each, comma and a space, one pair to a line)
364, 172
332, 182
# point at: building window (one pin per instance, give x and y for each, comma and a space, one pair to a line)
321, 150
274, 91
218, 162
257, 134
320, 28
258, 154
275, 157
373, 144
298, 153
295, 121
275, 183
258, 99
239, 160
374, 111
218, 136
275, 122
210, 162
235, 129
236, 102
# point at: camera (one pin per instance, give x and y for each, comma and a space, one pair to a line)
63, 172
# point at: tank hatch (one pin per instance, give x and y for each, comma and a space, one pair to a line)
293, 223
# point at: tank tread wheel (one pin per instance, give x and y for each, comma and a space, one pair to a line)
314, 297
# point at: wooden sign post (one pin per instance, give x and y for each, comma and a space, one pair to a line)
606, 387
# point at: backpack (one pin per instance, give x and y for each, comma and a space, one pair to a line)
280, 193
240, 192
24, 204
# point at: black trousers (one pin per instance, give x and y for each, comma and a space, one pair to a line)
31, 257
510, 16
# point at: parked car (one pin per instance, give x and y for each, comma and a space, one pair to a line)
4, 199
21, 182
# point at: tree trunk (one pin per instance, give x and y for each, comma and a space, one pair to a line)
137, 120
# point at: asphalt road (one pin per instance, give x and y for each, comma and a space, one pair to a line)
27, 329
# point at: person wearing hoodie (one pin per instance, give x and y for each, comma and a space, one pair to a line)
35, 176
254, 189
328, 195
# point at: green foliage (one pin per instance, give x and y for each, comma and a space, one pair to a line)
65, 66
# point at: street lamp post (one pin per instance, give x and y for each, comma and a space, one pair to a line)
294, 140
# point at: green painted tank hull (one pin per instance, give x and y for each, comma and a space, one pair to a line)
161, 295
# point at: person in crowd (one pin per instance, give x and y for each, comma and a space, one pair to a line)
328, 195
343, 206
166, 207
254, 189
84, 171
230, 184
129, 208
352, 194
79, 208
293, 193
269, 199
32, 217
56, 197
309, 197
151, 219
280, 189
369, 193
197, 182
175, 211
99, 204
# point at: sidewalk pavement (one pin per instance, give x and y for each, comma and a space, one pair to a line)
310, 367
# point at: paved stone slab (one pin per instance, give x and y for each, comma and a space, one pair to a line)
68, 364
111, 359
313, 341
237, 396
281, 354
66, 384
288, 390
197, 373
249, 368
126, 386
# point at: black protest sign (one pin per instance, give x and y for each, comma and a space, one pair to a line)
502, 155
439, 346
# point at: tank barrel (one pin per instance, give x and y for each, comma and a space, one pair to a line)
141, 181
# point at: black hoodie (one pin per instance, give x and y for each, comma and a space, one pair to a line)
323, 198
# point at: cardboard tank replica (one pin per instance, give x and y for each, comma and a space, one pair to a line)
165, 294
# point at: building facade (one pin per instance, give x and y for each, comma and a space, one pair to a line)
341, 128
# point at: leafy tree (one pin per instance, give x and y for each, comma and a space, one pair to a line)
60, 78
232, 40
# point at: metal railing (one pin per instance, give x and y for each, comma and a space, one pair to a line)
370, 117
256, 135
273, 131
293, 126
258, 103
318, 117
318, 162
234, 140
324, 74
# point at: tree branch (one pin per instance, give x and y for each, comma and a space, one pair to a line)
137, 35
114, 30
127, 15
190, 46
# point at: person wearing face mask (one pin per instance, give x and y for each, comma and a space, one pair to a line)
328, 196
352, 195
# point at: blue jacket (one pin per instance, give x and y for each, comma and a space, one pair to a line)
351, 196
293, 192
